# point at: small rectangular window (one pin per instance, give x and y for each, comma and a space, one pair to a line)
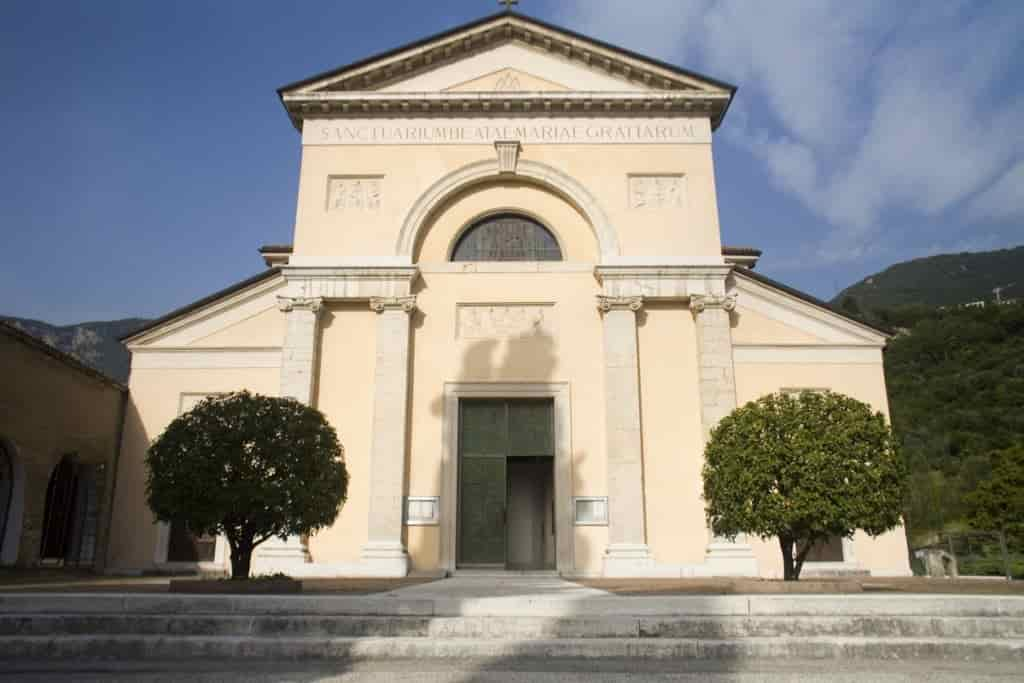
590, 510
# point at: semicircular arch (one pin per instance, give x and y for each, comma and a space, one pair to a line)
487, 170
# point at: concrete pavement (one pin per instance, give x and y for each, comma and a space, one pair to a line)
522, 670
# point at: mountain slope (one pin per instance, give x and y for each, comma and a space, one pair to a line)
93, 343
944, 280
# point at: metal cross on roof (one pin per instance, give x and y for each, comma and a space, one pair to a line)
509, 4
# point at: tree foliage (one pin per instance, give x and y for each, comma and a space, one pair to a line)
956, 387
250, 467
998, 502
802, 468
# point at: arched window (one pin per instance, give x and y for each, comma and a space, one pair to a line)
507, 237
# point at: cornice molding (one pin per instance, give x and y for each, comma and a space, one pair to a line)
633, 103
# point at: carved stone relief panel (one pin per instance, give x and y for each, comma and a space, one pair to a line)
657, 191
354, 193
508, 82
499, 321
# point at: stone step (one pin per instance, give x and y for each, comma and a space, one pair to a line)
516, 628
527, 606
138, 647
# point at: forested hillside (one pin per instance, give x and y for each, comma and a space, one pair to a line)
944, 280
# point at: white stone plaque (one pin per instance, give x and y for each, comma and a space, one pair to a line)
499, 321
535, 131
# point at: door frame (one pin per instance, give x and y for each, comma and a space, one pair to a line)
559, 393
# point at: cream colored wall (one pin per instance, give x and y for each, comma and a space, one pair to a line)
49, 410
408, 171
673, 451
155, 400
345, 396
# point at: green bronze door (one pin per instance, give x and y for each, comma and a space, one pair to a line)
482, 451
490, 433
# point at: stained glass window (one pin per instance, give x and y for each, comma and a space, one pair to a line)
507, 237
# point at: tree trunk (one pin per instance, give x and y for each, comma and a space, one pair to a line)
789, 568
241, 558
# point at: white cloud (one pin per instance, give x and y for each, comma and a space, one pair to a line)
856, 108
659, 28
1003, 200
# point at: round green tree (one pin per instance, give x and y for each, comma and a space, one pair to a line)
250, 467
802, 468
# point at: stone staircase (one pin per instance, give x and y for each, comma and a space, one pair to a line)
177, 627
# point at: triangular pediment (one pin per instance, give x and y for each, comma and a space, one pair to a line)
504, 53
243, 315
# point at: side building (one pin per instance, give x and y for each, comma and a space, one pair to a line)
60, 431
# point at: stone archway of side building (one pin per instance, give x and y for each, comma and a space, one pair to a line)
12, 502
71, 515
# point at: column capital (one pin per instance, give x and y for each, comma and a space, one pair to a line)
379, 304
702, 302
619, 303
287, 304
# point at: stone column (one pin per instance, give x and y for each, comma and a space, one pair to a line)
298, 380
718, 399
384, 553
627, 553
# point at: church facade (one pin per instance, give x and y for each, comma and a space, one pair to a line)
508, 293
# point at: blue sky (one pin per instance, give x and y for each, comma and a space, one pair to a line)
146, 155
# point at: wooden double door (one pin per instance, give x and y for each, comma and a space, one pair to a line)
506, 484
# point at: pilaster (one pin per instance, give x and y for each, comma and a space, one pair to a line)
384, 554
627, 553
298, 381
718, 399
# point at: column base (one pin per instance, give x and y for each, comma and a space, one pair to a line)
275, 555
384, 559
730, 559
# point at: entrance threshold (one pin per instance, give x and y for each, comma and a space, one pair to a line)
503, 573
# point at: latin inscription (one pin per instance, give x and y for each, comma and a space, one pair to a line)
467, 132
